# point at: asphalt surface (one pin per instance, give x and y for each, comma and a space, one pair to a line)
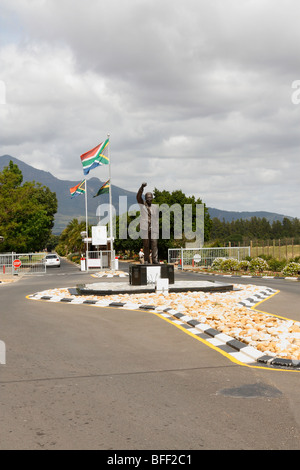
79, 377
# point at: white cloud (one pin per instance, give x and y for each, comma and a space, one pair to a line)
196, 95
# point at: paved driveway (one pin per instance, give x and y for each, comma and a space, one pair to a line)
80, 377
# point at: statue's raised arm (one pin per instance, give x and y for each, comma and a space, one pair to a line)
140, 192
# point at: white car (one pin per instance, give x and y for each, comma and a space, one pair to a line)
52, 260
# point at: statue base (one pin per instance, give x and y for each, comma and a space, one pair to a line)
143, 274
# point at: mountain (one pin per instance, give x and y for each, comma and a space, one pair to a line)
228, 216
69, 209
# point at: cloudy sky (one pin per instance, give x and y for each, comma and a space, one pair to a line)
196, 94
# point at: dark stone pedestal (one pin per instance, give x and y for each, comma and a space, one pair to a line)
143, 274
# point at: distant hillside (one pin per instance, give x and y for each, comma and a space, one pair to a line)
228, 216
69, 209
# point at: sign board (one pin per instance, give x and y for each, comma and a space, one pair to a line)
162, 285
197, 258
17, 263
99, 235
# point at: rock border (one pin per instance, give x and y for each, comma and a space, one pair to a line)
246, 354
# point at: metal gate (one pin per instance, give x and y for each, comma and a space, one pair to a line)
205, 256
22, 263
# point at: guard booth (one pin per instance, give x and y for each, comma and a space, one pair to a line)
102, 257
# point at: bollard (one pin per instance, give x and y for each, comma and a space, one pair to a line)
82, 264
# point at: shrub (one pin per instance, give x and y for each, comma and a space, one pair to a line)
265, 257
217, 262
244, 265
276, 265
291, 269
258, 264
230, 264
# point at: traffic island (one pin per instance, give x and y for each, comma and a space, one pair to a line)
109, 288
148, 278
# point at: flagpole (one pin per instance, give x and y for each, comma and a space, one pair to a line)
110, 211
86, 229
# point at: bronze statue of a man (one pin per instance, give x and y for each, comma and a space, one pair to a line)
149, 225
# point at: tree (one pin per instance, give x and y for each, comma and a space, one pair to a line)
295, 228
178, 197
168, 199
70, 240
287, 227
131, 243
276, 229
26, 212
52, 242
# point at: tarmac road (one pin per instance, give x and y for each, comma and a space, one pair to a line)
82, 377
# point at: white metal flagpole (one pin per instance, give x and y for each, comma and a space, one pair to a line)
110, 211
86, 229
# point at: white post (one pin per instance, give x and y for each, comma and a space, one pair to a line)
110, 211
86, 229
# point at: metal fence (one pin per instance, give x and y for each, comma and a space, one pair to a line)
205, 256
22, 263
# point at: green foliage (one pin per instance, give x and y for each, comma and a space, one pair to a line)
126, 247
291, 269
225, 264
131, 245
74, 257
178, 197
254, 228
244, 265
258, 264
26, 212
70, 240
52, 242
230, 264
217, 263
276, 265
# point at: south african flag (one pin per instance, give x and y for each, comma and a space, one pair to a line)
78, 189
